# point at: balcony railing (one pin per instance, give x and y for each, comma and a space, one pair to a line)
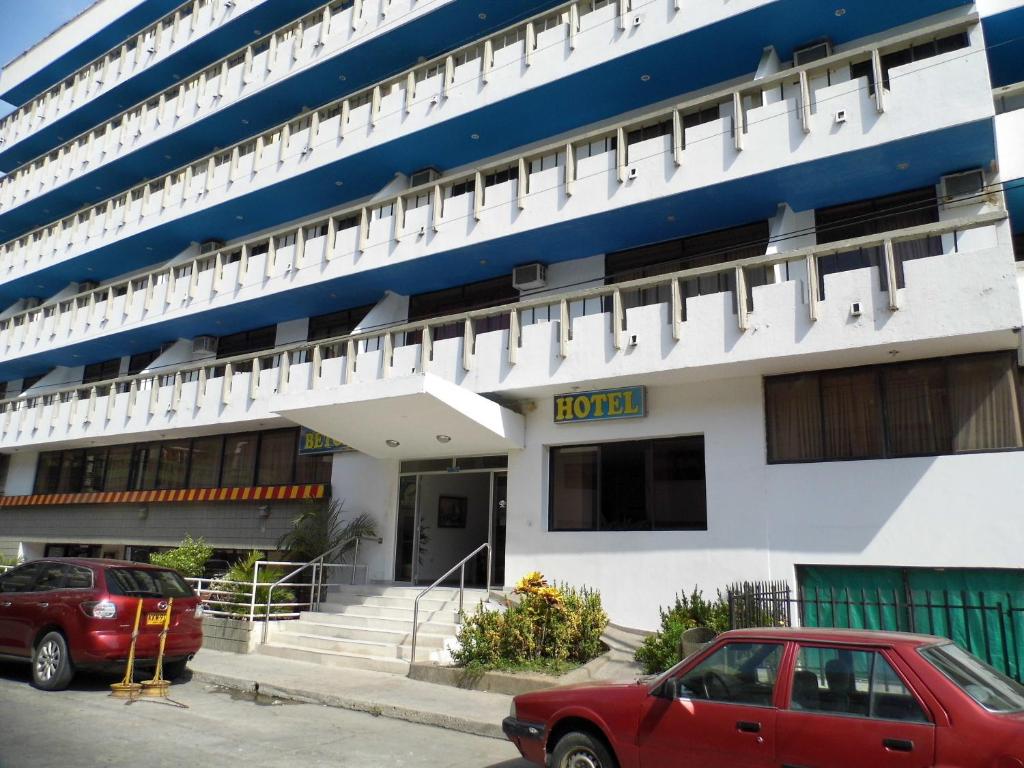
240, 388
355, 122
426, 218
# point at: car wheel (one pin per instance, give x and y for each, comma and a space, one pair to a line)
52, 669
581, 750
174, 669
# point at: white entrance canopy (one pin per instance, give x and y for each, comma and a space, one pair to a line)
427, 416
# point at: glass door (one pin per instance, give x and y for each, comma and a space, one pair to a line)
406, 530
499, 517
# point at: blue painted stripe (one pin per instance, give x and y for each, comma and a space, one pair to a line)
1004, 37
865, 173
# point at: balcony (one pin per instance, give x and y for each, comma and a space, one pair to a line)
764, 314
602, 190
341, 46
132, 68
352, 148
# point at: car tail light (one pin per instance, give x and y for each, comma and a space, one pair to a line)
102, 609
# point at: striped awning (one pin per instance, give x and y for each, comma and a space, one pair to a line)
259, 493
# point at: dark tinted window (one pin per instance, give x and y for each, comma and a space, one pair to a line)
206, 457
51, 576
20, 579
239, 460
108, 369
145, 582
79, 577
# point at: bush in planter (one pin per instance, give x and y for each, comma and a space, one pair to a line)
238, 596
188, 558
546, 627
662, 650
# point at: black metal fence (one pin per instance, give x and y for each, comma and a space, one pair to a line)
989, 625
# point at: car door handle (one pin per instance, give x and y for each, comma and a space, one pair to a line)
898, 745
6, 604
745, 726
43, 605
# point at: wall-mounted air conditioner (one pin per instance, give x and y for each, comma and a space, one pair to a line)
423, 176
812, 52
965, 188
529, 276
210, 246
204, 345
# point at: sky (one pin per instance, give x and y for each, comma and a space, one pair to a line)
25, 22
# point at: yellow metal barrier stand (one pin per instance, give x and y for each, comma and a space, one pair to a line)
127, 689
158, 686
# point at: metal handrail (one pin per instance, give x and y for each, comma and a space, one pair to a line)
317, 579
462, 589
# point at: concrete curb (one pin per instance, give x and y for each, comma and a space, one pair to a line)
377, 709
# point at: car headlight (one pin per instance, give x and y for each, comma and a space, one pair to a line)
512, 710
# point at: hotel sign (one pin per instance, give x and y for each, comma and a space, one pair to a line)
311, 442
601, 405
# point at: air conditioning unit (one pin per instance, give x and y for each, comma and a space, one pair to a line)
204, 345
210, 246
965, 188
812, 52
423, 176
529, 276
87, 285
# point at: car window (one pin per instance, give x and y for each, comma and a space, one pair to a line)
146, 582
79, 577
991, 689
739, 673
20, 579
840, 681
51, 576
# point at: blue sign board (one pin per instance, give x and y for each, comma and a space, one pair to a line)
311, 442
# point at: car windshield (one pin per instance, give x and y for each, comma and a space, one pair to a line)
991, 689
145, 582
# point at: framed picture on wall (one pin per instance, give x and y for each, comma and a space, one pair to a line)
451, 511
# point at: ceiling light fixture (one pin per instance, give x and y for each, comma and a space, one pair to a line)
391, 443
443, 439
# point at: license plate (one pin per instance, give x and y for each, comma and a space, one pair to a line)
154, 619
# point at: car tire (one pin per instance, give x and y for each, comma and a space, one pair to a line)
52, 668
174, 669
581, 750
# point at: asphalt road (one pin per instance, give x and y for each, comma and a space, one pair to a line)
84, 727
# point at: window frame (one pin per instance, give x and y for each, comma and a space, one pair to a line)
784, 666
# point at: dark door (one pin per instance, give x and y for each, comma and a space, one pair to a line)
406, 530
15, 596
724, 717
500, 519
849, 708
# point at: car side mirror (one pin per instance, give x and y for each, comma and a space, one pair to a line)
669, 689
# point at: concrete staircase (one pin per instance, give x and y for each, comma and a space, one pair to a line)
370, 627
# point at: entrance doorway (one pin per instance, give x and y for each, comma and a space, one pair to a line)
446, 509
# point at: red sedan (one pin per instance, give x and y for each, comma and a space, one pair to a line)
65, 613
765, 698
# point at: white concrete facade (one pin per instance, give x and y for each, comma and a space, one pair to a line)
409, 393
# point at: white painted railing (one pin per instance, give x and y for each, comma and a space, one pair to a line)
352, 124
493, 344
425, 219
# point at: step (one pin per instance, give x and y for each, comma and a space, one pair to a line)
347, 632
393, 601
335, 658
393, 590
355, 619
445, 615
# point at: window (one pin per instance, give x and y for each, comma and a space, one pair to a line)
206, 459
239, 460
841, 681
737, 673
923, 408
144, 582
119, 464
108, 369
916, 52
247, 341
173, 470
991, 689
340, 323
141, 361
314, 469
500, 177
20, 579
629, 486
51, 576
48, 472
653, 131
78, 578
276, 457
94, 470
462, 188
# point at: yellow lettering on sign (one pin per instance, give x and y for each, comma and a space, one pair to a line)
614, 403
564, 409
631, 407
600, 400
309, 441
581, 407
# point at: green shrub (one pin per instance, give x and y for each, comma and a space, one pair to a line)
188, 559
11, 561
547, 627
662, 650
239, 596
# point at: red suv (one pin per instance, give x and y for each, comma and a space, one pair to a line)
66, 613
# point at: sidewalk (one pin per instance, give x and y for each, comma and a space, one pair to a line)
377, 693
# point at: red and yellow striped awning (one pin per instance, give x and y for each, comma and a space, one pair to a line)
260, 493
